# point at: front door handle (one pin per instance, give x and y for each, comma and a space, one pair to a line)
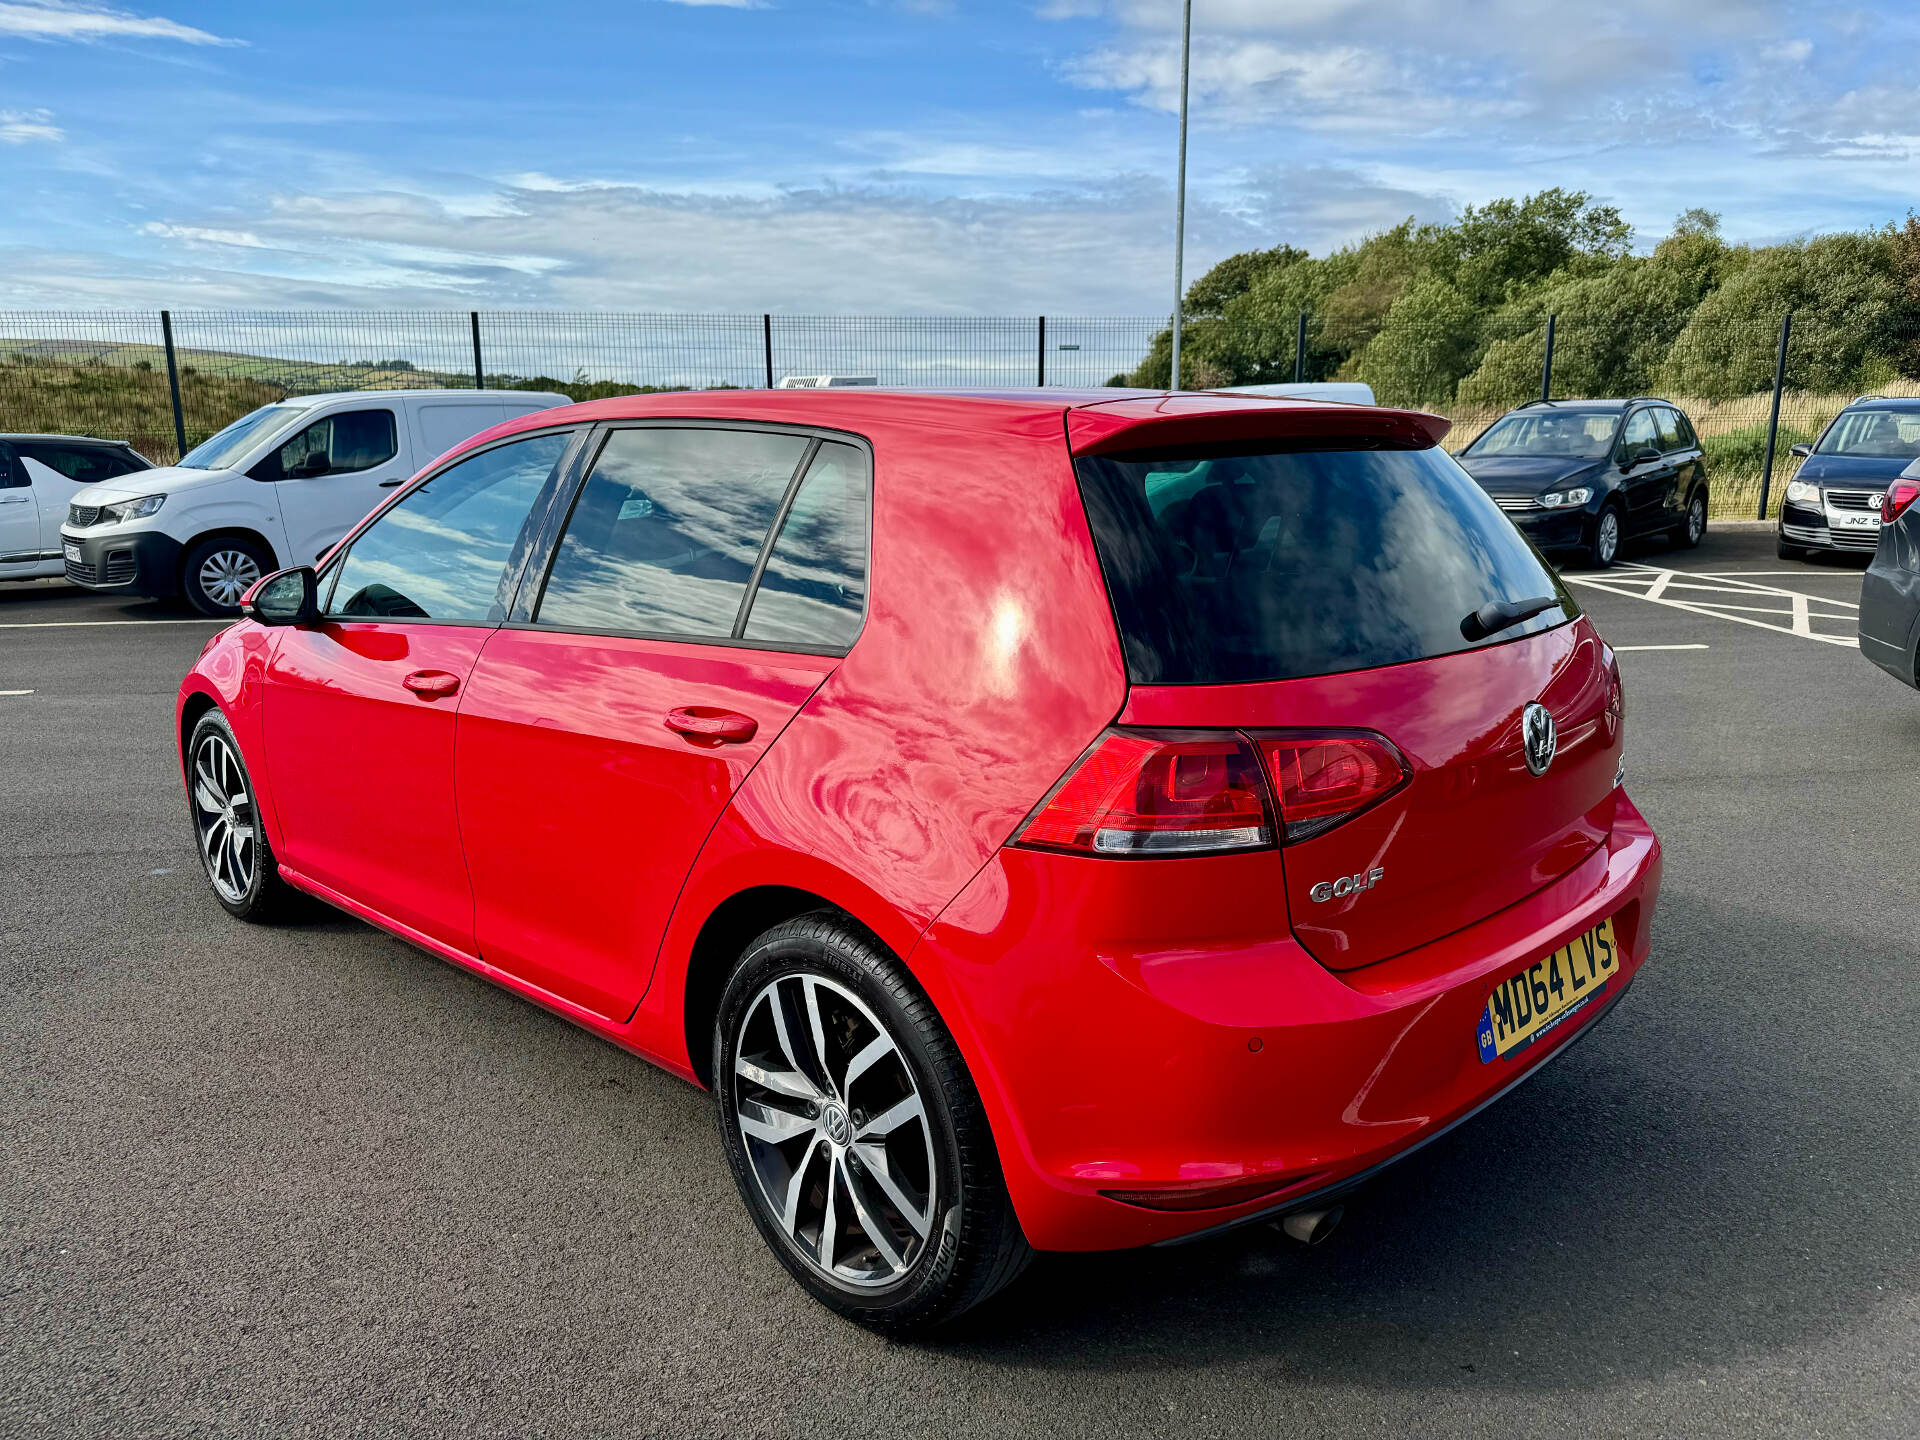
14, 499
431, 684
703, 722
389, 484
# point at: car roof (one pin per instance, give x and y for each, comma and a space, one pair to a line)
68, 440
434, 392
1094, 419
1886, 402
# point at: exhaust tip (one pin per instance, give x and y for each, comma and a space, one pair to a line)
1310, 1227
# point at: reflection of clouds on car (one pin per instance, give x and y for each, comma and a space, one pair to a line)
441, 552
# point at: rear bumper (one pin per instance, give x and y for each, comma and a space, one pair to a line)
139, 562
1110, 1058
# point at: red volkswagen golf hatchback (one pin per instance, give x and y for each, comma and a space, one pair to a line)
1045, 820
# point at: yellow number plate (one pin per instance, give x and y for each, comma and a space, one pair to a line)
1528, 1005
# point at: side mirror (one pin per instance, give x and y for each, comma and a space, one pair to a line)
1803, 449
314, 462
286, 597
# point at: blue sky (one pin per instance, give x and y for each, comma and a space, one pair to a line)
931, 156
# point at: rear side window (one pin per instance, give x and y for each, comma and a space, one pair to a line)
814, 589
665, 533
1672, 429
447, 549
1226, 568
84, 464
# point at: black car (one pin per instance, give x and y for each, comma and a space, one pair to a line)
1890, 593
1833, 501
1590, 474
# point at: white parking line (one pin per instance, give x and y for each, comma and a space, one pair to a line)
1660, 586
16, 692
1621, 649
84, 624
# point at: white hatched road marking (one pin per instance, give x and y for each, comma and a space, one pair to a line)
1798, 610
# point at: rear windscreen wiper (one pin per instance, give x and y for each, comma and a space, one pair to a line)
1497, 615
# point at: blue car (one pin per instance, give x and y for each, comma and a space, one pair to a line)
1833, 503
1589, 475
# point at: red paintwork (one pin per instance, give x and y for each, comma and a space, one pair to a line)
1105, 1008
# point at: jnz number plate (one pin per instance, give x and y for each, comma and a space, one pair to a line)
1540, 998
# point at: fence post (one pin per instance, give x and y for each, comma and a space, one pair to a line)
173, 386
479, 374
1773, 420
1300, 349
1546, 366
1040, 365
766, 339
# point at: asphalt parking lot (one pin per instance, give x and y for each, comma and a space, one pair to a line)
312, 1182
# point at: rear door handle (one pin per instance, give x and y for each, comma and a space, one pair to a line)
703, 722
431, 684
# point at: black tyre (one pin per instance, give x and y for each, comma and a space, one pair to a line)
217, 571
1603, 546
234, 854
1788, 552
854, 1132
1694, 528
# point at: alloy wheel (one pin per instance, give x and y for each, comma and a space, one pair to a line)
835, 1130
223, 818
226, 575
1607, 545
1697, 519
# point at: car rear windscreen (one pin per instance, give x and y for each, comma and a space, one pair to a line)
1272, 566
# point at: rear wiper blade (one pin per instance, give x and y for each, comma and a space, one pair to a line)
1497, 615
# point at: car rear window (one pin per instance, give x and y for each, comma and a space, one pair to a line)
1273, 566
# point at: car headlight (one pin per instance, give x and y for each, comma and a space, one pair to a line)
1561, 499
1804, 491
131, 509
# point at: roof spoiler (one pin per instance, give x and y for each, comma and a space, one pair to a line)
1180, 420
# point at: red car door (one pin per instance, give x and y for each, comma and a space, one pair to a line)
360, 710
603, 735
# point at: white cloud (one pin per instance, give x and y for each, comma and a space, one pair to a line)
71, 20
205, 235
17, 127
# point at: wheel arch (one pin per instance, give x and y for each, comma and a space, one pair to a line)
719, 943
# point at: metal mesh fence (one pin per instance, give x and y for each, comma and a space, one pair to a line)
106, 372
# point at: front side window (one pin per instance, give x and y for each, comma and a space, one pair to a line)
1273, 566
1641, 432
1873, 435
448, 549
1570, 434
814, 589
338, 445
665, 533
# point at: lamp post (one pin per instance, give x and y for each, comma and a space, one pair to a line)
1180, 193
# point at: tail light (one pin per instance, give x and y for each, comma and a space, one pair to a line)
1146, 793
1899, 496
1323, 780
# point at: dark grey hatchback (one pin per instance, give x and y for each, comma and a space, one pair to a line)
1890, 593
1589, 475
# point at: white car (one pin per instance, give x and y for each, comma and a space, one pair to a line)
39, 476
275, 488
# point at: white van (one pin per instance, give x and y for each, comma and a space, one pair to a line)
275, 488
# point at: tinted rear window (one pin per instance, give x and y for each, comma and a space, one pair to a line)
1229, 568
